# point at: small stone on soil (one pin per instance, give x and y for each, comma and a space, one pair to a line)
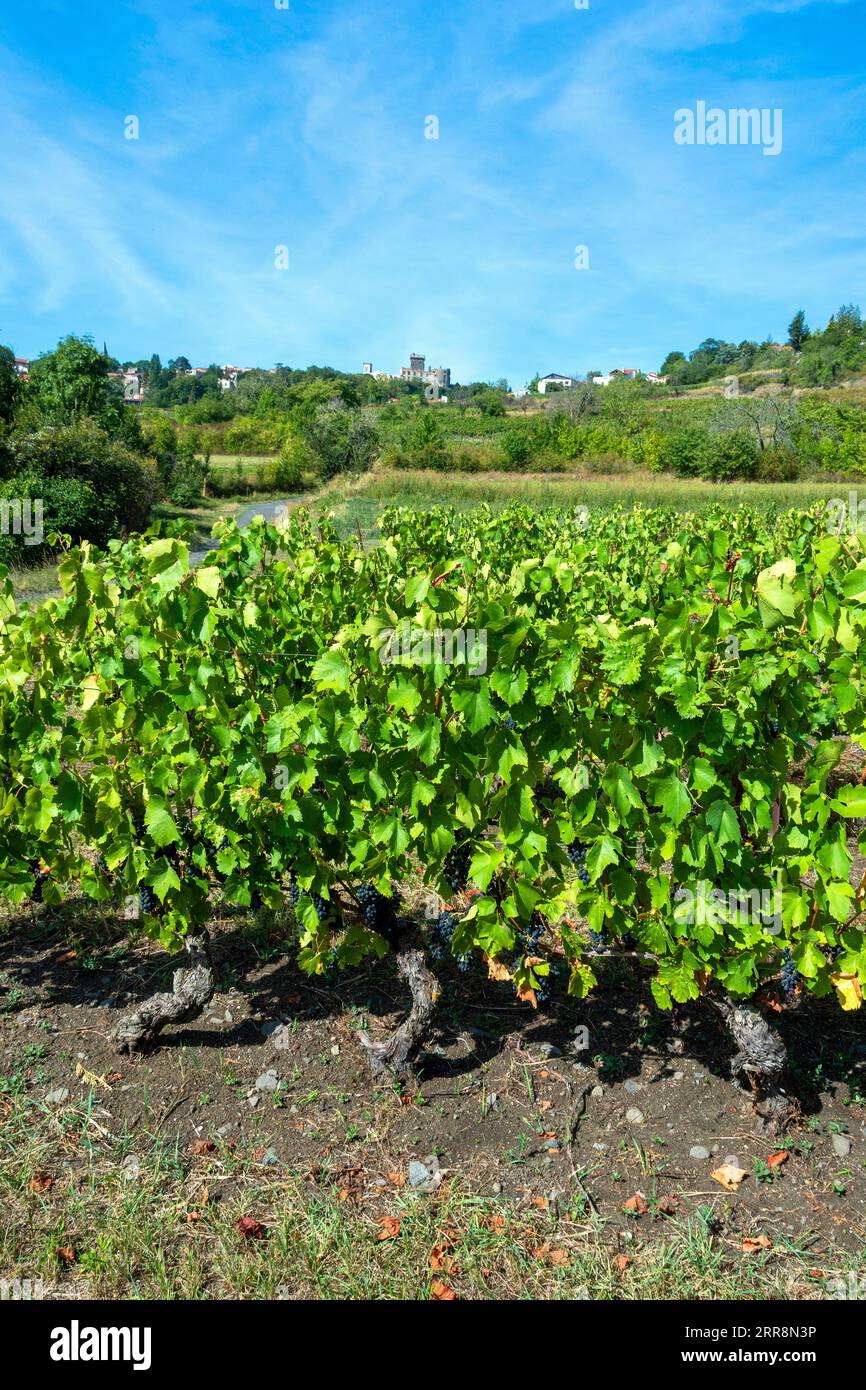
699, 1151
841, 1145
634, 1116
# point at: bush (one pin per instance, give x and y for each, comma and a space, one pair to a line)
517, 447
117, 488
777, 466
289, 467
729, 455
342, 440
684, 451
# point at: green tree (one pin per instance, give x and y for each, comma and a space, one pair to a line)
343, 440
72, 383
9, 384
798, 331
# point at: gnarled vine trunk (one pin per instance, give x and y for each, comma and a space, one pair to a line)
396, 1054
761, 1055
192, 989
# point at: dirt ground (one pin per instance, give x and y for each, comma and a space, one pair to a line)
274, 1068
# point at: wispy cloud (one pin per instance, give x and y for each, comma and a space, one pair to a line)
261, 127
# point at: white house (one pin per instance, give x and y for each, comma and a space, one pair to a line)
557, 382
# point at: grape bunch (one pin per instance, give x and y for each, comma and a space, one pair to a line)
322, 906
774, 728
510, 724
441, 933
377, 910
598, 942
790, 974
549, 790
456, 867
146, 900
464, 963
577, 856
529, 938
40, 878
543, 990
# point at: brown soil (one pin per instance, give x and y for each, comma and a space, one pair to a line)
498, 1087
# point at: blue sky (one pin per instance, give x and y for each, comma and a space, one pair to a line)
305, 127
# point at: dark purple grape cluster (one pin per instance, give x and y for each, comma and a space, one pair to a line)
441, 933
790, 974
322, 906
147, 901
464, 963
510, 724
774, 728
529, 938
597, 941
455, 867
294, 891
377, 910
39, 881
577, 856
543, 991
548, 790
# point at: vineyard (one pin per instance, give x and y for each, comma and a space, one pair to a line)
584, 737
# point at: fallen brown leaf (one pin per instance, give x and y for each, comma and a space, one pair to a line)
622, 1263
670, 1205
752, 1244
729, 1176
775, 1160
636, 1204
441, 1260
90, 1078
41, 1183
443, 1293
250, 1228
397, 1179
390, 1227
202, 1146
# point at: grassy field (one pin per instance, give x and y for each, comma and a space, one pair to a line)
360, 503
